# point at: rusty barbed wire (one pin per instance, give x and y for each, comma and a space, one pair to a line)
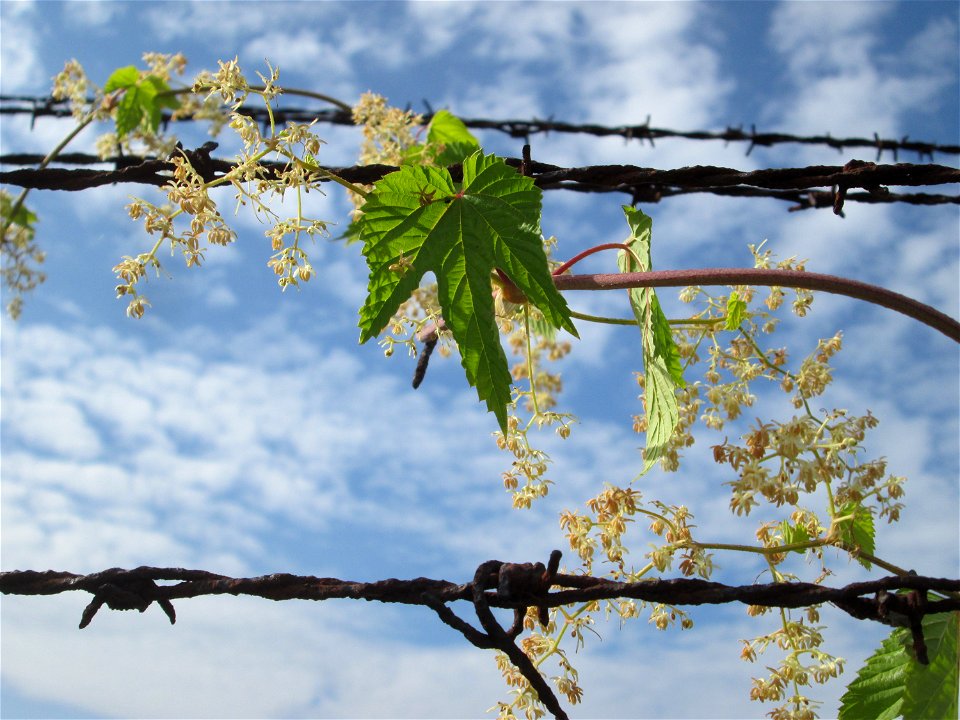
40, 106
516, 586
646, 185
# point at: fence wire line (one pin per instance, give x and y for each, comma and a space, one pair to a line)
516, 586
141, 581
37, 106
647, 185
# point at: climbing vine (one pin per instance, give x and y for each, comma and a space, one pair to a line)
473, 219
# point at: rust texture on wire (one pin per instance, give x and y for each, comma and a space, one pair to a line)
648, 185
38, 107
496, 584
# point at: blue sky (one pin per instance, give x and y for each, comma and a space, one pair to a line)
244, 431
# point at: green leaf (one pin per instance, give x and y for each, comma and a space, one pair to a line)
663, 370
445, 127
351, 233
142, 101
448, 143
858, 532
892, 683
932, 689
23, 217
162, 99
417, 220
448, 130
794, 534
129, 111
122, 78
736, 310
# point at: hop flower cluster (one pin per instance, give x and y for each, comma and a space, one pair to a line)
387, 131
263, 188
804, 664
539, 648
72, 84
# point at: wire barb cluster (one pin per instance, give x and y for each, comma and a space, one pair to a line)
496, 584
37, 107
801, 186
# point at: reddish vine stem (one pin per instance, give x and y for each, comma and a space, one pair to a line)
587, 253
783, 278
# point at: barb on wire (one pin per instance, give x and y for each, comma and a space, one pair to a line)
496, 584
36, 106
648, 185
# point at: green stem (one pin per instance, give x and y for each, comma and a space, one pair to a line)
330, 176
530, 368
51, 156
286, 91
603, 320
633, 321
765, 551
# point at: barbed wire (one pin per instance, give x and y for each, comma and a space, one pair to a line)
40, 106
646, 185
496, 584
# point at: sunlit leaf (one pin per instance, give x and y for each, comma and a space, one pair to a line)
793, 534
736, 311
449, 131
858, 531
122, 78
892, 683
142, 101
662, 368
417, 220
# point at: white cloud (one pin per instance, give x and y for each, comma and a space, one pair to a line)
845, 79
440, 24
20, 65
48, 424
821, 46
300, 50
220, 20
93, 15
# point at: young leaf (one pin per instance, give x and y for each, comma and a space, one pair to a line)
23, 217
460, 234
142, 100
448, 142
736, 310
857, 532
158, 99
121, 78
893, 684
661, 358
449, 131
793, 534
129, 110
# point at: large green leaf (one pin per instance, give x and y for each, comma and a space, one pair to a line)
417, 220
932, 689
893, 684
662, 368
